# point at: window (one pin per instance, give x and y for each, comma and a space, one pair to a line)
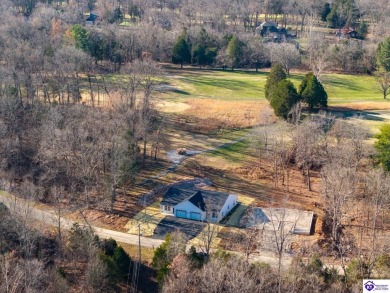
167, 208
214, 215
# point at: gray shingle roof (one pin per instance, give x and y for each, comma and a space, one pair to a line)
175, 195
203, 199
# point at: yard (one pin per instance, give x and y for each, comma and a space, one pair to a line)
212, 114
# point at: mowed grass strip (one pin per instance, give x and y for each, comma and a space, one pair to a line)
234, 152
243, 203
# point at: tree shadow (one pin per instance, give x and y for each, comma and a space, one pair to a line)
170, 224
347, 112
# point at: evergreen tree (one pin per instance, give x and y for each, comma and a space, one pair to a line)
181, 52
382, 146
343, 13
204, 49
383, 55
276, 74
284, 97
80, 36
324, 11
312, 92
199, 55
362, 30
234, 51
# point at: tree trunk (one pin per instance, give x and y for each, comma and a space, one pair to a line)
144, 155
308, 177
113, 197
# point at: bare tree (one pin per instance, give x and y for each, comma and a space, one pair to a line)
207, 236
377, 203
383, 80
282, 226
308, 141
285, 53
58, 194
339, 185
217, 275
97, 274
318, 50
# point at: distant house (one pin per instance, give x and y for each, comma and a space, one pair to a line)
269, 26
197, 204
347, 33
91, 19
271, 32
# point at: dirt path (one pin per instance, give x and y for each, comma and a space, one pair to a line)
177, 159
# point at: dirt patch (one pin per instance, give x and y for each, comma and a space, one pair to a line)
101, 219
206, 115
173, 107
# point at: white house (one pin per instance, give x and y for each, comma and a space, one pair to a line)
197, 204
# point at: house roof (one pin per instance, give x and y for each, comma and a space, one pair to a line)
268, 24
175, 195
203, 199
198, 200
92, 17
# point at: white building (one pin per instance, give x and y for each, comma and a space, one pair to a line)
197, 204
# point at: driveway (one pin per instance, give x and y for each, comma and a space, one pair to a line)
170, 224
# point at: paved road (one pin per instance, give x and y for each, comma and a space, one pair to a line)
28, 210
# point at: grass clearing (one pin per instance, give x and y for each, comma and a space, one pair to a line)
132, 250
249, 86
148, 218
234, 152
219, 100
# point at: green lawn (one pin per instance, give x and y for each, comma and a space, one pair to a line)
234, 152
342, 88
241, 85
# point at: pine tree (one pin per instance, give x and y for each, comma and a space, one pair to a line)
383, 55
276, 74
382, 146
312, 92
199, 55
324, 12
181, 52
284, 97
343, 13
234, 51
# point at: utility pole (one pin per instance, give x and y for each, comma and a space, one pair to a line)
137, 267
